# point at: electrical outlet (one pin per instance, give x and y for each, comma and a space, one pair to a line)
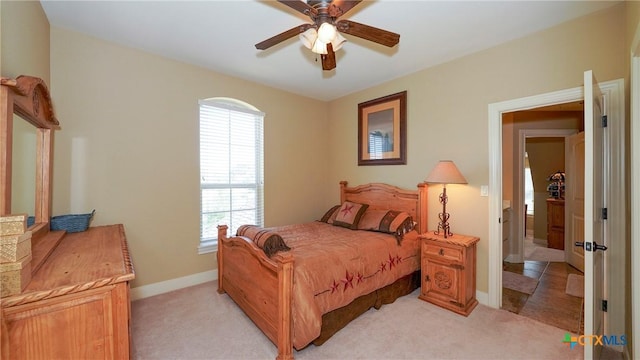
484, 190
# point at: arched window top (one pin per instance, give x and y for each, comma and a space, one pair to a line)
231, 104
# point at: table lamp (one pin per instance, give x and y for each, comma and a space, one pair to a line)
445, 173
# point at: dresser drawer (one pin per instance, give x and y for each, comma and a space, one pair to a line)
438, 250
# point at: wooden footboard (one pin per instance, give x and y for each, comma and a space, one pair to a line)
259, 285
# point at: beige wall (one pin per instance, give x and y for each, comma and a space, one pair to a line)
509, 157
24, 39
129, 148
448, 105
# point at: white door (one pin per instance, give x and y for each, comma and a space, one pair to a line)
594, 202
574, 200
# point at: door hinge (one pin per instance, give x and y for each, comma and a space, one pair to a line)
604, 120
604, 305
604, 213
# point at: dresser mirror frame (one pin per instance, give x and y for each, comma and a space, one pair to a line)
29, 98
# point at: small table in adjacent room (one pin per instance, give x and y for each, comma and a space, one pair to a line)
449, 271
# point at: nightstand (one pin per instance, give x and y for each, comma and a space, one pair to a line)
449, 271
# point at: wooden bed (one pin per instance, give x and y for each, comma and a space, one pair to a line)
262, 286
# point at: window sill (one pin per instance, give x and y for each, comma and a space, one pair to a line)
208, 247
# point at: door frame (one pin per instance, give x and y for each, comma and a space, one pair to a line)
614, 107
635, 192
523, 135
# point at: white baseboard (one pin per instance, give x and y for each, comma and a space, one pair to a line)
162, 287
482, 297
542, 242
513, 258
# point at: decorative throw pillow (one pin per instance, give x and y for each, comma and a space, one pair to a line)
388, 221
330, 215
269, 241
349, 214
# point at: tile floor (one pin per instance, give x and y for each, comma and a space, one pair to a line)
549, 303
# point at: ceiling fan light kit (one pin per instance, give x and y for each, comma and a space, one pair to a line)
323, 36
315, 41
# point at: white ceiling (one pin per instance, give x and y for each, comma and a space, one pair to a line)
220, 35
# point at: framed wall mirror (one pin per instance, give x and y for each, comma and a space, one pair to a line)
27, 120
23, 169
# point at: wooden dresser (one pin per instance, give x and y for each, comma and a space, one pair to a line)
449, 271
555, 223
77, 304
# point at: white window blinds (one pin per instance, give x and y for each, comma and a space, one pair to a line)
231, 168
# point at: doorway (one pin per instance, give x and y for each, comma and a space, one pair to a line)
616, 192
537, 282
544, 149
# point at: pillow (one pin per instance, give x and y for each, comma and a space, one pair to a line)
349, 214
330, 215
388, 221
269, 241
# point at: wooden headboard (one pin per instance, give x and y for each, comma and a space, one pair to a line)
388, 197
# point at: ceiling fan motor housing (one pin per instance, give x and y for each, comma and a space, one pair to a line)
323, 14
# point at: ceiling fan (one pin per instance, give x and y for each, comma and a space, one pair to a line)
323, 35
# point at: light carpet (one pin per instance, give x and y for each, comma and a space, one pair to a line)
575, 285
518, 282
546, 254
199, 323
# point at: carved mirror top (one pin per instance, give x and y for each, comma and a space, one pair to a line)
32, 101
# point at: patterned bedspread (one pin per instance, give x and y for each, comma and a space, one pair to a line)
334, 265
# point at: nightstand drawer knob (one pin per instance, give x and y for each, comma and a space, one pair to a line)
427, 279
441, 252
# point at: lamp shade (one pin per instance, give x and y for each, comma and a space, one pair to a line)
445, 172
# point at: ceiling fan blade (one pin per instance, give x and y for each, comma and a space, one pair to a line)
328, 59
300, 6
367, 32
282, 36
338, 8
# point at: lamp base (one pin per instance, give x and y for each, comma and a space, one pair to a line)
444, 226
444, 216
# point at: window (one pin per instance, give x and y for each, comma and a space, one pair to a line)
231, 168
528, 186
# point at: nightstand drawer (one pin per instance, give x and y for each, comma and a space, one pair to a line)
443, 251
